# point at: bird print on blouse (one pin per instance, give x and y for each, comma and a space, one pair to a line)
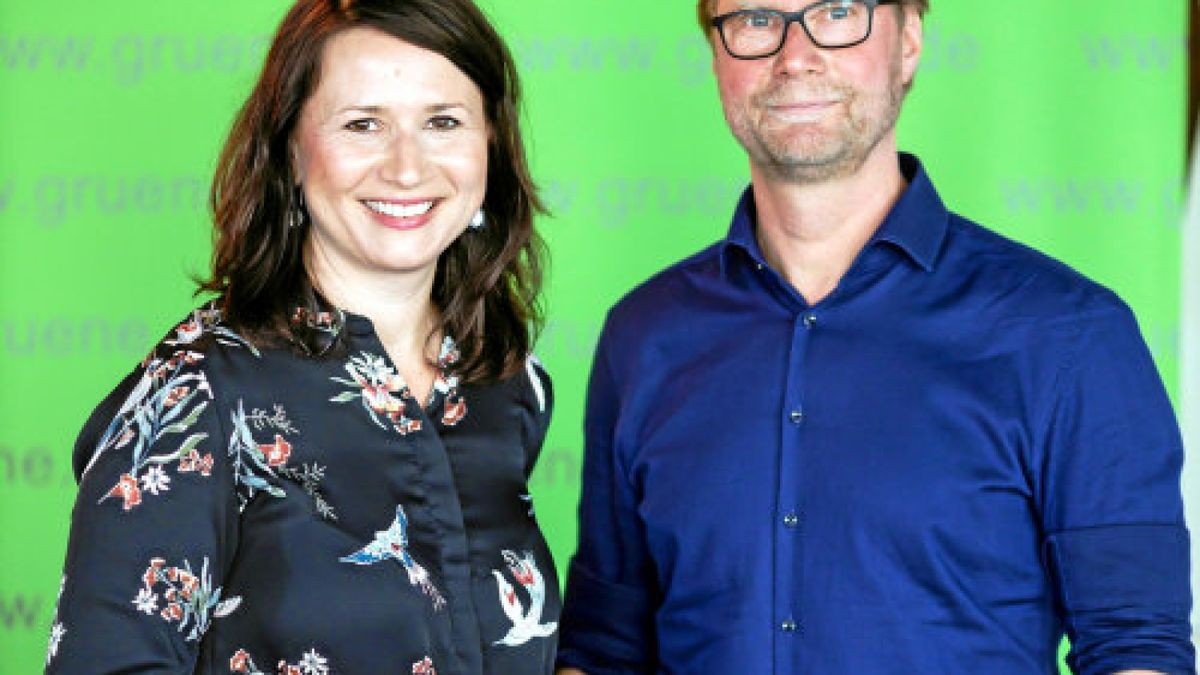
526, 621
392, 544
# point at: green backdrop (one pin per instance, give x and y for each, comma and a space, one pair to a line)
1060, 124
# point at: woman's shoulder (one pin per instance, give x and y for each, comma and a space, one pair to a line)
535, 396
537, 381
176, 374
529, 386
203, 348
204, 332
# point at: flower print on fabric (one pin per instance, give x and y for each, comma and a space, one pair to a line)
325, 321
381, 390
57, 633
527, 622
241, 662
532, 364
424, 667
165, 404
207, 320
311, 663
194, 461
259, 465
57, 630
188, 598
316, 331
446, 383
392, 544
309, 477
254, 463
314, 664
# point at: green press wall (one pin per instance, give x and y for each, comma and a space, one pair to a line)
1060, 124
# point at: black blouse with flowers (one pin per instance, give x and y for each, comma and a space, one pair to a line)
247, 510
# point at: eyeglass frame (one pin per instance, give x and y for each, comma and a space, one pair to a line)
796, 17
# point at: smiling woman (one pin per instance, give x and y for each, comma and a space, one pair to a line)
391, 151
496, 271
325, 469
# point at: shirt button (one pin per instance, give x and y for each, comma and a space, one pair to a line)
791, 520
810, 321
796, 416
788, 626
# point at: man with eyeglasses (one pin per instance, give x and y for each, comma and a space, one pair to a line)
863, 435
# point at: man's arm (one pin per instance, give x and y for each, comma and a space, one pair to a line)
1107, 463
607, 623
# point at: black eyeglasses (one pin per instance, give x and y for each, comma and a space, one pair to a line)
830, 24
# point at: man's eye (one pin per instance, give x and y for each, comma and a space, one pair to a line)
444, 123
366, 124
757, 19
842, 10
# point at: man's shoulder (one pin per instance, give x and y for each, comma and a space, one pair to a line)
1023, 279
658, 298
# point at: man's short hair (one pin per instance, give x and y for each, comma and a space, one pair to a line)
704, 11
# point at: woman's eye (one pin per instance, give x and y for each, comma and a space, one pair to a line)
443, 123
363, 125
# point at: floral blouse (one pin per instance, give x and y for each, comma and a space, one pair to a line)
247, 510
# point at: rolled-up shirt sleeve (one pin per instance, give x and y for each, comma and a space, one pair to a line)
608, 615
1109, 465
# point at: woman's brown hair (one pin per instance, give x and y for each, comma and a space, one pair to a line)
487, 282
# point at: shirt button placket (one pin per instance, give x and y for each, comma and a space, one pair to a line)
789, 534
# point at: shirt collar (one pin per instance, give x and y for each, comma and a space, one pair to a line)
916, 224
316, 329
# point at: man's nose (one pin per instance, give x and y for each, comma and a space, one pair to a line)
799, 53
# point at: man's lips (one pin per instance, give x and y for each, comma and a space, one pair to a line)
801, 111
808, 104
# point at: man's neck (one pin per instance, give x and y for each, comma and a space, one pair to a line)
812, 232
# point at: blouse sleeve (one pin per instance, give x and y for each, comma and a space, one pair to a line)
540, 405
153, 530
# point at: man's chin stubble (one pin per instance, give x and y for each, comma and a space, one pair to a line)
808, 166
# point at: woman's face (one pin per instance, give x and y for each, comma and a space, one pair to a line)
391, 151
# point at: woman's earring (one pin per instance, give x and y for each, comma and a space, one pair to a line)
297, 214
478, 220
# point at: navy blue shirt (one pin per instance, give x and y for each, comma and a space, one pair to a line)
960, 454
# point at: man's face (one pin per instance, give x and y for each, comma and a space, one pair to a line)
809, 114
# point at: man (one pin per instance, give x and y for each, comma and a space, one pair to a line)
862, 434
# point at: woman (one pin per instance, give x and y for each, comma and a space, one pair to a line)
324, 470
